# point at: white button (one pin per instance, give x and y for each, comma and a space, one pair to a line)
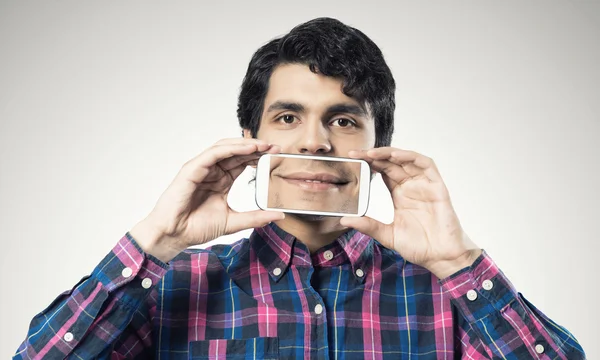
360, 273
488, 285
318, 309
277, 271
126, 272
146, 283
68, 337
539, 348
472, 295
328, 255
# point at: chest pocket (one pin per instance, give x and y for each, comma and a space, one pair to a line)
238, 349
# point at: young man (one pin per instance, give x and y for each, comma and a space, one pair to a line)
306, 287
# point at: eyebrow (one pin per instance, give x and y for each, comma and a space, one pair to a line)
333, 109
285, 105
347, 109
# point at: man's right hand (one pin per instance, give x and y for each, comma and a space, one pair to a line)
194, 210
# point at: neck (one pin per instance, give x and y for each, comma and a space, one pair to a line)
313, 232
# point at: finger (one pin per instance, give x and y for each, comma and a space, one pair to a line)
369, 226
233, 141
359, 154
400, 156
362, 155
197, 169
247, 160
372, 154
387, 167
275, 149
412, 162
223, 177
233, 167
237, 161
238, 221
386, 152
261, 147
392, 174
422, 162
404, 175
237, 171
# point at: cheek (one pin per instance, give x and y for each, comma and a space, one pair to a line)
283, 139
271, 136
353, 142
368, 136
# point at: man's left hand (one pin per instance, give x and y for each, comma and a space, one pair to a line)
425, 230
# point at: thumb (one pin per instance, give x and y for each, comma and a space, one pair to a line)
239, 221
366, 225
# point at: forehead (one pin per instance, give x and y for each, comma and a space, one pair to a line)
295, 82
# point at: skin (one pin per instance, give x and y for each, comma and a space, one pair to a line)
307, 113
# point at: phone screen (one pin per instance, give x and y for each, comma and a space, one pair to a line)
314, 185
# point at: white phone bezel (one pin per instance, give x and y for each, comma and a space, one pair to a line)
262, 186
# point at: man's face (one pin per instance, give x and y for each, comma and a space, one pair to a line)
307, 113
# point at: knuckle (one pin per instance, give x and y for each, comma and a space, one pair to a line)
186, 165
427, 161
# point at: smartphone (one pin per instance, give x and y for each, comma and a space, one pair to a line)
315, 185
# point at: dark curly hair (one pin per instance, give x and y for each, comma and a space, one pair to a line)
333, 49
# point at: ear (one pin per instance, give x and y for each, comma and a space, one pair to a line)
246, 133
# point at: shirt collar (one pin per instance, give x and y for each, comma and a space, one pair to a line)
358, 247
273, 248
277, 250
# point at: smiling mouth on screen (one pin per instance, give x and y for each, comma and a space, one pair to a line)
315, 182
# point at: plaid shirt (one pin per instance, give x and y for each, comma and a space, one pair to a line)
268, 297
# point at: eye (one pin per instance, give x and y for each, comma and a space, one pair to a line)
287, 119
343, 122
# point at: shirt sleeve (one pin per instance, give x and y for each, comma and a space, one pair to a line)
105, 315
500, 322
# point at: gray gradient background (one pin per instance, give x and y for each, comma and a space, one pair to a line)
101, 103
